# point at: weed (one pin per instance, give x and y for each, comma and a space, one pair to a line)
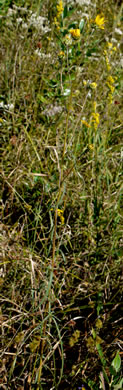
61, 194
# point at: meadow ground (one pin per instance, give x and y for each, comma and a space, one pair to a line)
61, 228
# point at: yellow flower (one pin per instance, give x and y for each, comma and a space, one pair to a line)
95, 105
75, 33
110, 79
84, 82
62, 220
60, 9
91, 147
60, 215
76, 93
99, 20
93, 85
85, 123
107, 61
108, 67
110, 82
109, 44
111, 87
61, 54
111, 47
59, 212
56, 23
95, 119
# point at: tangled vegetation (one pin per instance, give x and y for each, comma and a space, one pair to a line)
61, 228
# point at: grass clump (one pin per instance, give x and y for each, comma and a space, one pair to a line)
61, 194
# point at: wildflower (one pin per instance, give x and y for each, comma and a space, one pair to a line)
11, 12
38, 52
84, 82
66, 92
118, 31
68, 40
38, 22
110, 82
9, 106
93, 85
108, 64
112, 88
91, 147
52, 110
85, 123
61, 54
60, 9
99, 20
95, 117
60, 215
24, 26
95, 106
75, 33
108, 67
111, 47
19, 20
76, 93
42, 55
107, 60
1, 122
109, 44
56, 23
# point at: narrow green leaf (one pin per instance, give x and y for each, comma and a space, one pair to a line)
65, 11
93, 333
100, 352
42, 99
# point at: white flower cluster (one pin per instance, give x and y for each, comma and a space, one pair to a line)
9, 107
83, 2
42, 55
80, 2
52, 110
39, 22
11, 12
118, 31
27, 18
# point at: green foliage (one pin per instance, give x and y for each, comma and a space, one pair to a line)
116, 363
61, 195
4, 4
